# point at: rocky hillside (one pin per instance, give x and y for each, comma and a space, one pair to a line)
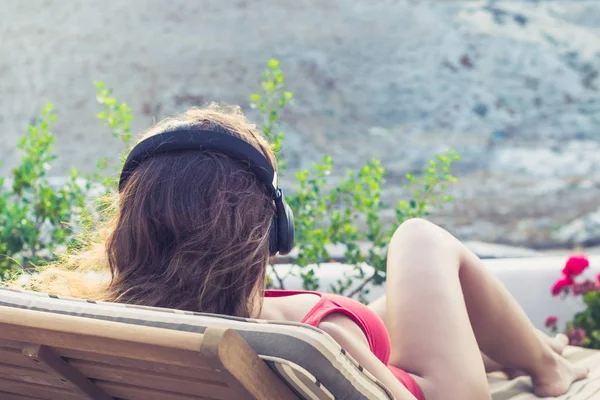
512, 86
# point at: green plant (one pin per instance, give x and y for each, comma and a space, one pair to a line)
36, 217
345, 212
270, 104
118, 117
348, 214
584, 329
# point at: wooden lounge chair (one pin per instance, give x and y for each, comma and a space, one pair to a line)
65, 357
61, 348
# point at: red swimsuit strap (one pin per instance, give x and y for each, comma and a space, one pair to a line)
285, 293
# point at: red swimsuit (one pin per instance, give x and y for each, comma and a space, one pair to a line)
365, 318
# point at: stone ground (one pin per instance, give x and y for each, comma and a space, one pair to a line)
511, 86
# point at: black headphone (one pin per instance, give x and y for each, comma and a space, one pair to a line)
281, 235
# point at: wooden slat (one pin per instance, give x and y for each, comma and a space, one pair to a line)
169, 383
36, 376
122, 370
14, 396
37, 391
11, 344
251, 377
45, 386
161, 368
138, 393
202, 372
221, 350
55, 365
15, 357
105, 337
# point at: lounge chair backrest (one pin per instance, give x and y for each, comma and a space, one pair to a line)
62, 348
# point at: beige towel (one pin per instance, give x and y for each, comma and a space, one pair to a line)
520, 388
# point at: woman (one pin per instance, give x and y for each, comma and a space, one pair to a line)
194, 230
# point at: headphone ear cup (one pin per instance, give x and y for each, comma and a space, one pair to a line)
286, 230
282, 228
273, 236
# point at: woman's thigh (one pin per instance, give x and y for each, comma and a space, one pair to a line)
426, 317
378, 306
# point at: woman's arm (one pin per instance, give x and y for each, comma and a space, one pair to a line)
349, 335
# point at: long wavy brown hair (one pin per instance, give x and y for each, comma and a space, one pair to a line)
189, 230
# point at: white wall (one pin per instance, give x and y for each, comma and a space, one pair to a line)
529, 280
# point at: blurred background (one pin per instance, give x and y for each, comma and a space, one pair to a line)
512, 86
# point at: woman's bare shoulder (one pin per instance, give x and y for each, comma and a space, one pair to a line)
288, 308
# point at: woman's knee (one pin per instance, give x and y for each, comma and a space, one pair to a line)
420, 234
418, 242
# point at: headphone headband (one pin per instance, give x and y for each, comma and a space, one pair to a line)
281, 235
198, 140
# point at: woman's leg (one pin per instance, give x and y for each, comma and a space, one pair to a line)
443, 306
558, 343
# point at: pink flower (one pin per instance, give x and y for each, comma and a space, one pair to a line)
576, 336
561, 284
584, 287
575, 265
551, 321
588, 286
